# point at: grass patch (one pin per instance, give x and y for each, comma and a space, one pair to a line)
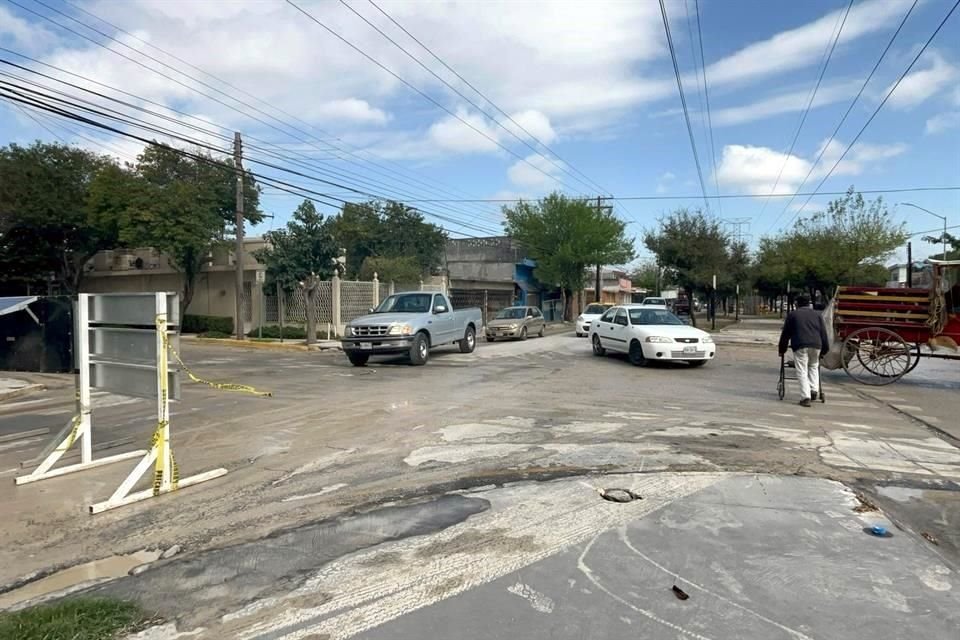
75, 619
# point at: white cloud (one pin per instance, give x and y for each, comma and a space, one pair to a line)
450, 134
523, 174
803, 46
755, 169
783, 103
920, 85
942, 122
24, 35
531, 123
664, 181
349, 109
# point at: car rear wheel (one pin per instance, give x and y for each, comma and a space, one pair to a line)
523, 333
419, 350
358, 359
598, 350
635, 355
469, 342
543, 329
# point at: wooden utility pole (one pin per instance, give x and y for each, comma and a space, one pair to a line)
238, 250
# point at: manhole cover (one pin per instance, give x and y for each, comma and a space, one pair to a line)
619, 495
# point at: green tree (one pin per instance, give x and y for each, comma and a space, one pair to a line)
953, 242
848, 243
387, 230
181, 205
404, 269
301, 255
565, 236
45, 227
645, 276
693, 248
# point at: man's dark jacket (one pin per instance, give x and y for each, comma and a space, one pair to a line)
804, 329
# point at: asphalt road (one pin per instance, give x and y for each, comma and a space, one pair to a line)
336, 440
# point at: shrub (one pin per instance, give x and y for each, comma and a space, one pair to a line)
206, 324
215, 334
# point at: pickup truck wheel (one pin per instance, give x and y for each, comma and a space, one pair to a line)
358, 359
419, 350
469, 342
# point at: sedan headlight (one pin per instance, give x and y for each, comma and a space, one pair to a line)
514, 326
400, 330
658, 339
707, 340
579, 318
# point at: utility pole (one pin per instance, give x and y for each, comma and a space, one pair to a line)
909, 265
238, 250
597, 284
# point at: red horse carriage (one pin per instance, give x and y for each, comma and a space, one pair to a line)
885, 331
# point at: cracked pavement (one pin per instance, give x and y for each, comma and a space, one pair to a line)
543, 416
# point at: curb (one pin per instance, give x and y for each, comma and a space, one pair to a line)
255, 344
22, 391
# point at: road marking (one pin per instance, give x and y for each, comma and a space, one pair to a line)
315, 494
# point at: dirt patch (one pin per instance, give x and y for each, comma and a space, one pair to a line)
470, 542
444, 588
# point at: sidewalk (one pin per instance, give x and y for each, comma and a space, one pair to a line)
15, 387
751, 330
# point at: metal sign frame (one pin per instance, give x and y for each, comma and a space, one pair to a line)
81, 427
166, 474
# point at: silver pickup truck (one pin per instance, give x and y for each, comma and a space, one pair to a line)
411, 324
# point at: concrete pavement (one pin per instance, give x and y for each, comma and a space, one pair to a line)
337, 440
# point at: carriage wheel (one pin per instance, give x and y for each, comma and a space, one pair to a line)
877, 356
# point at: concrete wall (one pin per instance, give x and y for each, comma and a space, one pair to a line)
482, 260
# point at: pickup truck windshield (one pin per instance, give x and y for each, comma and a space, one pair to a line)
511, 313
406, 303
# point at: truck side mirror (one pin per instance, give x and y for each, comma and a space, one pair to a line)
440, 309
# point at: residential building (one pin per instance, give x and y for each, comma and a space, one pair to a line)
133, 270
922, 276
615, 287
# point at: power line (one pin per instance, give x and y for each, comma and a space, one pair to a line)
422, 93
849, 109
36, 100
706, 95
806, 111
160, 116
877, 110
730, 196
410, 175
683, 102
178, 82
482, 95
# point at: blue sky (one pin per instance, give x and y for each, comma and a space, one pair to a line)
591, 82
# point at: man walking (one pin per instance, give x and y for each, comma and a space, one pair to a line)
806, 333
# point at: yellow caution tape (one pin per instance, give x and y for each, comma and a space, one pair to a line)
76, 421
222, 386
157, 441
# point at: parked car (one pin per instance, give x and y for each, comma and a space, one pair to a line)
516, 322
647, 334
654, 302
591, 313
411, 324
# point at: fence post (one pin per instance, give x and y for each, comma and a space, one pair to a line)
485, 307
376, 289
421, 284
335, 303
393, 287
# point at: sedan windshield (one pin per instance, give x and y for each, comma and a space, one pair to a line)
595, 309
653, 316
405, 303
511, 313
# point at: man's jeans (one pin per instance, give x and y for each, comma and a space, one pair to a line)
807, 362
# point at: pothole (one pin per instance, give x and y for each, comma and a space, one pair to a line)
81, 574
619, 495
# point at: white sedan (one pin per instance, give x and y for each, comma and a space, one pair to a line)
591, 313
646, 334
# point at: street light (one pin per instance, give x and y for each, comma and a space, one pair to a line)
943, 238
